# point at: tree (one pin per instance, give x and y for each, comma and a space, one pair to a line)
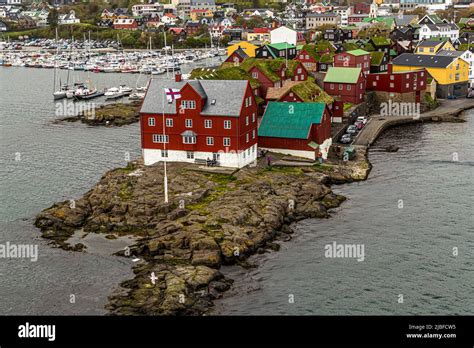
420, 11
53, 18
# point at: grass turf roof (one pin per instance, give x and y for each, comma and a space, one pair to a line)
380, 41
224, 73
311, 92
290, 120
270, 66
376, 58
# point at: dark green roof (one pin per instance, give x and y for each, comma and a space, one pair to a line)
290, 120
270, 66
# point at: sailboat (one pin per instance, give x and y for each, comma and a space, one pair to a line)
62, 92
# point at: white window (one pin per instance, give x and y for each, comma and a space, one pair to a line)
246, 120
189, 139
299, 70
188, 123
188, 104
164, 153
407, 85
190, 155
247, 137
160, 138
361, 85
348, 87
226, 141
250, 101
391, 85
253, 134
227, 124
169, 122
253, 117
331, 86
151, 121
340, 87
210, 140
207, 123
392, 77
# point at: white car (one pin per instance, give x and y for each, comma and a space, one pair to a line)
362, 119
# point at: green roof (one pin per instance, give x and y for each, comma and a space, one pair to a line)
342, 75
311, 92
224, 73
350, 46
281, 46
290, 120
376, 58
269, 66
380, 41
358, 52
388, 21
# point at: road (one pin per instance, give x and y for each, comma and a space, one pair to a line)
378, 124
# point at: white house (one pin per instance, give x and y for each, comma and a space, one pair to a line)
68, 18
344, 12
283, 34
141, 9
431, 6
449, 30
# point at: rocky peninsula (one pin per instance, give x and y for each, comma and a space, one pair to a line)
117, 114
211, 219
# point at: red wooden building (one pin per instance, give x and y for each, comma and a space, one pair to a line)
307, 59
353, 59
210, 119
406, 86
237, 56
346, 84
272, 73
296, 129
125, 23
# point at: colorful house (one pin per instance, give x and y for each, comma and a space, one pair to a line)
259, 34
237, 57
378, 62
354, 59
274, 51
400, 86
272, 73
246, 46
345, 84
433, 46
201, 123
451, 73
125, 23
295, 129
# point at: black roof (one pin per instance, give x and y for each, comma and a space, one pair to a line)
423, 60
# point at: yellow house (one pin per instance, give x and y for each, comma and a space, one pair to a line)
433, 46
197, 14
259, 34
247, 47
451, 73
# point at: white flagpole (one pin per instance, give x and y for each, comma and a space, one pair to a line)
164, 148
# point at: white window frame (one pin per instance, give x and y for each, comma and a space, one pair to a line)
160, 138
226, 141
227, 124
209, 141
151, 121
188, 123
169, 122
207, 123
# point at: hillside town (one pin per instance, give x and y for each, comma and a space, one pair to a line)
330, 64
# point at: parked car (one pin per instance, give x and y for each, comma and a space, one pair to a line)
362, 119
359, 125
352, 129
346, 139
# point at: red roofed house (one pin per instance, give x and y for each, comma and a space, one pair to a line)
259, 34
345, 84
125, 23
210, 119
353, 59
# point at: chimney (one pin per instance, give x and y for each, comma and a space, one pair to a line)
389, 68
177, 77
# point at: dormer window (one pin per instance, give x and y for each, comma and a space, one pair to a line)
188, 104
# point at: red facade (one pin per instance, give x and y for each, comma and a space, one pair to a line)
235, 57
347, 92
241, 126
347, 60
318, 133
398, 82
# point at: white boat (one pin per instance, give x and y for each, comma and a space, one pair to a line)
142, 89
137, 96
121, 90
158, 71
